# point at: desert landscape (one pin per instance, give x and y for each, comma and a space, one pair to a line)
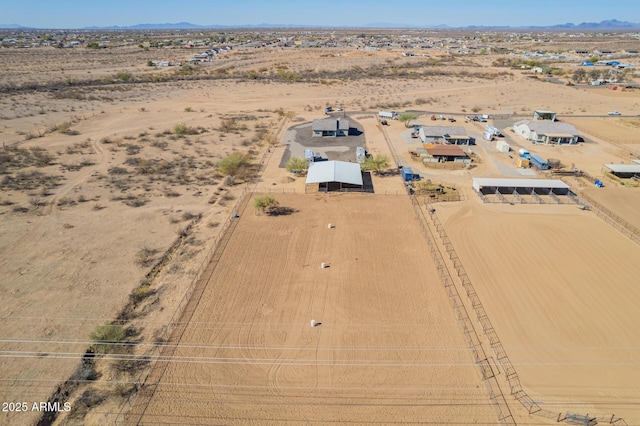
139, 284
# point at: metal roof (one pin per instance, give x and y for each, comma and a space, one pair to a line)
519, 183
545, 127
443, 130
334, 171
623, 168
445, 151
330, 125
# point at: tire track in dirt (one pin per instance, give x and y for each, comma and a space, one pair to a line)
82, 177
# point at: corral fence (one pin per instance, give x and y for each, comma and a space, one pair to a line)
171, 335
501, 356
484, 363
447, 165
625, 228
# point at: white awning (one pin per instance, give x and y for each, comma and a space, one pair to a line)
334, 171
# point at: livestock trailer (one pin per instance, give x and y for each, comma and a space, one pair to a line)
407, 174
539, 162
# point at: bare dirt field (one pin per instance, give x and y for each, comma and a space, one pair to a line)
108, 209
559, 285
624, 202
388, 350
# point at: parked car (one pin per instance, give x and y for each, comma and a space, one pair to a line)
614, 113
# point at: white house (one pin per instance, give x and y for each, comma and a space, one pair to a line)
547, 132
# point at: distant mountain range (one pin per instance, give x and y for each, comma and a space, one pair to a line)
612, 24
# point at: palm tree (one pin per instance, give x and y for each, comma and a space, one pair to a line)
375, 164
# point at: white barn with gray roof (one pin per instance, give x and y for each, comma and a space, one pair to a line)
335, 176
547, 132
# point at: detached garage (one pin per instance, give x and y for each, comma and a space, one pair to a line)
334, 176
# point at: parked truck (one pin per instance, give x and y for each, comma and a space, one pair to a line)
524, 153
388, 114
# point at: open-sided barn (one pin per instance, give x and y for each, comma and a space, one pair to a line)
521, 186
624, 171
335, 176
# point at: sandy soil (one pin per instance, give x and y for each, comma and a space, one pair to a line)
68, 252
559, 285
388, 347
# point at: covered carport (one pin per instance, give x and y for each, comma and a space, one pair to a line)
334, 176
521, 186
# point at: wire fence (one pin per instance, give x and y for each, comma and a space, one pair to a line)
469, 332
625, 228
134, 406
500, 353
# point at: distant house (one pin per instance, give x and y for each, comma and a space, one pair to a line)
547, 132
331, 127
453, 135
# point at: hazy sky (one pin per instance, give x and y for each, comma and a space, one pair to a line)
78, 14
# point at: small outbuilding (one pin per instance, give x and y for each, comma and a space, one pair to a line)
544, 115
331, 127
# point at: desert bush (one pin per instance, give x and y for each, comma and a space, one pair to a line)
107, 338
140, 293
136, 201
123, 76
230, 165
160, 144
118, 171
66, 201
36, 201
297, 165
182, 129
231, 125
133, 149
191, 216
264, 203
145, 256
131, 365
